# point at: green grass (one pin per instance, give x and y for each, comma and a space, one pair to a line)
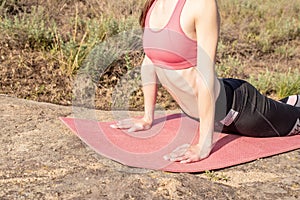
261, 24
230, 67
215, 176
28, 31
265, 34
282, 84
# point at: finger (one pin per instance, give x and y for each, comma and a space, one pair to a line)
119, 126
186, 161
125, 122
183, 159
186, 158
181, 148
179, 159
178, 152
135, 128
184, 146
132, 129
113, 126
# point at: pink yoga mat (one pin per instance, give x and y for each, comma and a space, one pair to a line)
146, 149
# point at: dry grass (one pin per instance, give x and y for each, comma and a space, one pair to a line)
43, 44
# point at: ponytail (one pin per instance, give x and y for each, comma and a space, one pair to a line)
145, 10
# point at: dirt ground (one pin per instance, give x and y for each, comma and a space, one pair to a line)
42, 159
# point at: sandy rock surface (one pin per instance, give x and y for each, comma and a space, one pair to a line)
42, 159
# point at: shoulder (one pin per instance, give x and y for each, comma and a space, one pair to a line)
202, 7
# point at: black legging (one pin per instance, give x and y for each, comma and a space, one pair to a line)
242, 110
256, 115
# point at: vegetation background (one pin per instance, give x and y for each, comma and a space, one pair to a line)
43, 44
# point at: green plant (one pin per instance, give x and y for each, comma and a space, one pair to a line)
214, 176
229, 67
29, 31
288, 83
281, 84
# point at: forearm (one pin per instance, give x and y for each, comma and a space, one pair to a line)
207, 28
206, 131
206, 107
149, 81
149, 91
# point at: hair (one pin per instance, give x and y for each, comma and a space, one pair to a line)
145, 10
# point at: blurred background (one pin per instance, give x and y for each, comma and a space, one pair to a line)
43, 44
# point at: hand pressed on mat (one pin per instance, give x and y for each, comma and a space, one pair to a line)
132, 124
187, 153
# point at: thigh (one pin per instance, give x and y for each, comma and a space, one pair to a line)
259, 116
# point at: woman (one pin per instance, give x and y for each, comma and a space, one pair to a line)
180, 42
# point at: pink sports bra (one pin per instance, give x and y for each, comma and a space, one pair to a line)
169, 47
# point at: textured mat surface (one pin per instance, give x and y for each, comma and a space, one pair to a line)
146, 149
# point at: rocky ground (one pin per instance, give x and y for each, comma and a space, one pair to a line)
42, 159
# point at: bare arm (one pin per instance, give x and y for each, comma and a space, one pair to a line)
149, 81
207, 28
207, 31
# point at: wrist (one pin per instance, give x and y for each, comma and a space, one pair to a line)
148, 119
204, 151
